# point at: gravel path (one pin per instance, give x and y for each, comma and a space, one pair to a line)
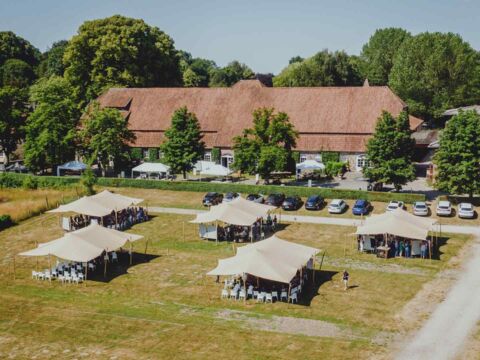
444, 334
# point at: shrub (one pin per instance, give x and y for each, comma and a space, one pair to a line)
216, 155
330, 156
30, 182
10, 180
296, 156
136, 153
334, 168
5, 221
153, 154
88, 181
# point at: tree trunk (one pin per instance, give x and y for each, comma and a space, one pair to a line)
7, 155
184, 174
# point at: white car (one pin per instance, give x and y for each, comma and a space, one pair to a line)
466, 211
394, 205
444, 208
420, 208
337, 206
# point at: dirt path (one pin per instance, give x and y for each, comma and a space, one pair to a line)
445, 333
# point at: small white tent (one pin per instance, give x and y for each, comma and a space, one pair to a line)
309, 165
151, 168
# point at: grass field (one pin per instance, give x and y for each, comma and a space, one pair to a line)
165, 307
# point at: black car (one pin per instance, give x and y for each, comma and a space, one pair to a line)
314, 202
256, 198
292, 203
275, 199
212, 198
230, 196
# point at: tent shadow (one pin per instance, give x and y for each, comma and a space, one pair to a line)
121, 267
436, 253
312, 290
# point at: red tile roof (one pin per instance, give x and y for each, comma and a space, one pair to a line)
327, 118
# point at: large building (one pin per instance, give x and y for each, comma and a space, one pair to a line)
338, 119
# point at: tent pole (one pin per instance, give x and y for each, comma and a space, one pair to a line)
313, 265
13, 267
50, 267
146, 245
131, 253
105, 267
216, 232
289, 288
183, 229
86, 272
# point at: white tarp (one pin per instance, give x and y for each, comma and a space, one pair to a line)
85, 244
272, 259
215, 170
148, 167
427, 223
310, 165
394, 226
99, 205
259, 210
227, 213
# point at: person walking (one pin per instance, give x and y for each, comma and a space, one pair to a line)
346, 276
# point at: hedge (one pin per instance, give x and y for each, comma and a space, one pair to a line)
16, 180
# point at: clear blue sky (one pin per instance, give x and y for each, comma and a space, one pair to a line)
263, 34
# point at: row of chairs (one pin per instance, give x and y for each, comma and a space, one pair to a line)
70, 277
239, 293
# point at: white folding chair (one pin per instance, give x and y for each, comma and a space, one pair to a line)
241, 294
114, 256
224, 294
268, 298
233, 294
250, 291
68, 278
274, 295
284, 296
293, 298
61, 278
261, 296
255, 294
34, 274
47, 275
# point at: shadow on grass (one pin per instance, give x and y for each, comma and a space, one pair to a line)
121, 267
312, 290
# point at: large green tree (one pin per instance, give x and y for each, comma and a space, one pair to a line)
13, 111
15, 47
230, 74
390, 151
458, 158
52, 60
267, 146
119, 51
196, 72
16, 73
436, 71
51, 128
105, 136
379, 53
183, 145
322, 69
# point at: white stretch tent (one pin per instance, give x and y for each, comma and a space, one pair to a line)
85, 244
272, 259
259, 210
310, 165
215, 170
403, 215
394, 226
149, 167
99, 205
227, 213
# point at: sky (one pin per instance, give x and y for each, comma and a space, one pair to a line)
262, 34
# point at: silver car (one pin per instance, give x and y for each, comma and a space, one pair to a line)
466, 211
337, 206
444, 208
420, 208
394, 205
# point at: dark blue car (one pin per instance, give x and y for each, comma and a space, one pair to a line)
361, 207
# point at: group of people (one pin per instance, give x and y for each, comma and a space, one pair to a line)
238, 233
121, 220
397, 247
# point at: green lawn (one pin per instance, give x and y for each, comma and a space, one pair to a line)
168, 308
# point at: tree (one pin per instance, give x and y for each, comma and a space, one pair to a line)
435, 71
13, 112
230, 74
190, 78
183, 145
458, 158
50, 129
105, 136
267, 146
16, 73
52, 63
378, 54
119, 51
390, 151
15, 47
322, 69
295, 59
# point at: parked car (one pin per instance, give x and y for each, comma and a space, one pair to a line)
292, 203
337, 206
361, 207
230, 196
212, 198
394, 205
275, 199
314, 202
256, 198
444, 208
466, 211
420, 208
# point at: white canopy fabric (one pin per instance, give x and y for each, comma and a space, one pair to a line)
227, 213
215, 170
273, 259
148, 167
259, 210
404, 215
85, 244
310, 165
99, 205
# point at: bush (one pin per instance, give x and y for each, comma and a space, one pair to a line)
136, 153
330, 156
334, 168
216, 155
88, 180
30, 182
153, 154
5, 222
11, 180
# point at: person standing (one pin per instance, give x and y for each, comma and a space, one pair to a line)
346, 276
423, 250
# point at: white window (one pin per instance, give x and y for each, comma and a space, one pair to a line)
303, 157
362, 162
207, 156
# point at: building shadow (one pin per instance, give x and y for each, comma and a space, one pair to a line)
119, 268
312, 290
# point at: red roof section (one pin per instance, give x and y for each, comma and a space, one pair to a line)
327, 118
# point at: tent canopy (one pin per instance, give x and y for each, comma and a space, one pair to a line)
227, 213
273, 259
215, 170
85, 244
72, 166
310, 165
259, 210
148, 167
398, 223
99, 205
